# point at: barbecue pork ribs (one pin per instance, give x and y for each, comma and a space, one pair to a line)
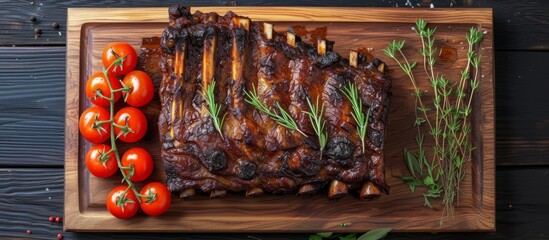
254, 153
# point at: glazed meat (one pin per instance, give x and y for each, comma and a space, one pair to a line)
254, 153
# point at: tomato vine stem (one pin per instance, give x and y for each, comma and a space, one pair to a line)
100, 94
113, 138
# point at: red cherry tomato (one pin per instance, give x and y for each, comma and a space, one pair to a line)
116, 50
141, 161
98, 82
99, 163
132, 124
91, 131
156, 199
141, 88
122, 205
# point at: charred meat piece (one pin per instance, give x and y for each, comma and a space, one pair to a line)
255, 154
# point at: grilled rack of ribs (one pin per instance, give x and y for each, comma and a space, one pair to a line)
256, 154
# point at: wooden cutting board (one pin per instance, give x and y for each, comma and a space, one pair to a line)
350, 28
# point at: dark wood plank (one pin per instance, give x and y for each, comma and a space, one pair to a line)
32, 99
29, 196
519, 24
522, 128
17, 28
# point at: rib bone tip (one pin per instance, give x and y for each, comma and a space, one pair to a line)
241, 22
268, 30
306, 190
321, 46
381, 67
187, 193
337, 190
290, 39
254, 192
369, 191
245, 23
353, 58
217, 193
212, 18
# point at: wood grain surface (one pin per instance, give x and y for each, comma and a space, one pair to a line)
521, 25
522, 123
84, 202
25, 204
521, 31
32, 93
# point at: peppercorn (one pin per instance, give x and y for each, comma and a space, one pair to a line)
37, 32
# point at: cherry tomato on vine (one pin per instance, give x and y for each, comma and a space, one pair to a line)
90, 130
100, 162
116, 50
141, 161
122, 205
156, 200
141, 88
132, 124
98, 81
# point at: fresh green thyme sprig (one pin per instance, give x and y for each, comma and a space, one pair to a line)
213, 108
449, 127
281, 117
351, 92
459, 147
315, 115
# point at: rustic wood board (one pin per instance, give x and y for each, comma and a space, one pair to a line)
521, 25
37, 193
350, 28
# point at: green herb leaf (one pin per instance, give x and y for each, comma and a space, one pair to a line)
426, 202
428, 181
406, 178
389, 52
413, 184
411, 162
351, 92
413, 65
324, 234
315, 116
315, 237
351, 236
213, 108
375, 234
281, 117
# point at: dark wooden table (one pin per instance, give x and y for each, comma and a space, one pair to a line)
32, 100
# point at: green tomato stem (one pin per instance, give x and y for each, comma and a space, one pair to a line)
113, 137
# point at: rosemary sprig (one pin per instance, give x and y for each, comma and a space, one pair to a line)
351, 92
449, 127
281, 117
315, 115
213, 107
